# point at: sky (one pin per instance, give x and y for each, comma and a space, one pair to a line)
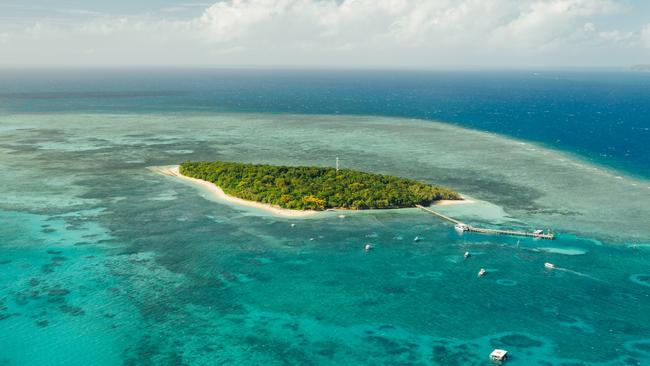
325, 33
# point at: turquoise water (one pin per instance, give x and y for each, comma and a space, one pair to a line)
105, 262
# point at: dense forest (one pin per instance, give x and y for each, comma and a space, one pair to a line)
314, 188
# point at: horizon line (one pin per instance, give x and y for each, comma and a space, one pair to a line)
320, 67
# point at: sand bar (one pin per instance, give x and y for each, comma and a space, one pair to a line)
465, 200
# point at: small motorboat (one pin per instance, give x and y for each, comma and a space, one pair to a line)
461, 227
538, 232
499, 355
367, 248
293, 225
482, 272
549, 265
466, 255
416, 239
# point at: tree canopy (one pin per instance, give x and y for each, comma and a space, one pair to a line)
315, 188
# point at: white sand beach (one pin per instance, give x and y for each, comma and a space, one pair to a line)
220, 195
464, 201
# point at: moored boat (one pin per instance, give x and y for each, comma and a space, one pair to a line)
461, 227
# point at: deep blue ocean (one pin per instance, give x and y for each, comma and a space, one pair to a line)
105, 261
602, 115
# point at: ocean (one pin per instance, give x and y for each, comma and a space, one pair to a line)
601, 115
104, 262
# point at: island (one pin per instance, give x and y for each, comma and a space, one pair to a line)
643, 67
305, 188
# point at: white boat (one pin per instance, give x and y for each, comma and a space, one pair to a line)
466, 255
538, 232
549, 265
416, 239
461, 227
482, 272
499, 355
367, 247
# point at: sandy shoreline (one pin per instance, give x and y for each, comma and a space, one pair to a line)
220, 195
464, 201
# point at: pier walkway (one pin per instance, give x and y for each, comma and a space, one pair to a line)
547, 236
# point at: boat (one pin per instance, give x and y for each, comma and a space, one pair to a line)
538, 232
499, 355
367, 247
549, 265
461, 227
482, 272
416, 239
466, 255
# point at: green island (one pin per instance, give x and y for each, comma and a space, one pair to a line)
315, 188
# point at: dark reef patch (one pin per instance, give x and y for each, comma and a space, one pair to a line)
72, 310
515, 340
42, 323
444, 353
58, 292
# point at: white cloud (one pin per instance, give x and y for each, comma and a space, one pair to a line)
105, 26
81, 12
645, 35
422, 33
404, 20
541, 22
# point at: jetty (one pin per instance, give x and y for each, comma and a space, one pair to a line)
465, 227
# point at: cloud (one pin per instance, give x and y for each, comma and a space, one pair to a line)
409, 33
80, 12
645, 35
183, 7
543, 22
402, 20
472, 27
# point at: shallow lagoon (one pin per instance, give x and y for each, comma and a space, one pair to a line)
104, 261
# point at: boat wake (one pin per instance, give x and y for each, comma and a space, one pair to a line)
553, 267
